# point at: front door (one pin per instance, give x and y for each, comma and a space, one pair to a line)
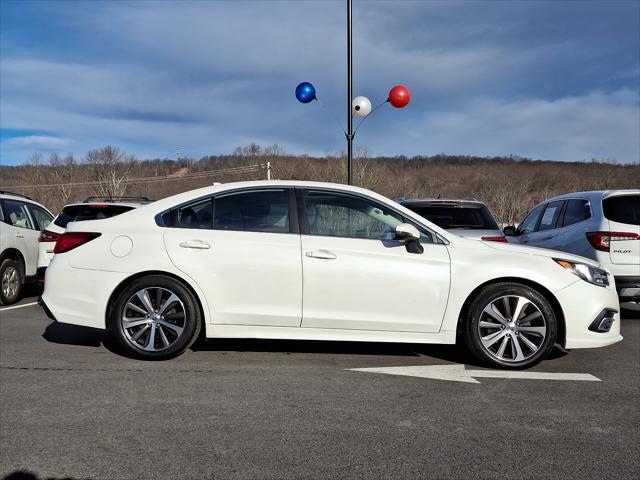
241, 250
356, 276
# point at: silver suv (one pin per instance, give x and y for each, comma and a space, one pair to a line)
21, 220
602, 225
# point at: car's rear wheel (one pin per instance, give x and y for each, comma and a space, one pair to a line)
510, 325
10, 281
156, 318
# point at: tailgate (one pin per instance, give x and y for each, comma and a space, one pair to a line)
623, 213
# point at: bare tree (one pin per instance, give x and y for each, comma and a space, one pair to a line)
110, 169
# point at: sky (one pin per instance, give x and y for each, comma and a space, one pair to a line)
553, 80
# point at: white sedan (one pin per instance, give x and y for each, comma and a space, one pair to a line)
318, 261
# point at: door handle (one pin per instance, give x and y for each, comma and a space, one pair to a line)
195, 244
323, 254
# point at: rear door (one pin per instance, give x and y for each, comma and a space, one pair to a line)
243, 249
570, 232
623, 214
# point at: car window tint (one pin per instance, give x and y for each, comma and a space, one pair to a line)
550, 215
456, 216
341, 215
531, 220
253, 211
40, 216
622, 209
15, 213
576, 211
89, 211
197, 215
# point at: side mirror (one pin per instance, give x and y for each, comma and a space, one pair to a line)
410, 235
510, 231
406, 231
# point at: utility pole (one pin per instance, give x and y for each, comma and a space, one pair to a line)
349, 133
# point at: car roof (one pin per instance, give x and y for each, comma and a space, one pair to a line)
188, 196
119, 204
22, 198
594, 194
439, 201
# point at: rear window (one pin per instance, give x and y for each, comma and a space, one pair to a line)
78, 213
450, 217
622, 209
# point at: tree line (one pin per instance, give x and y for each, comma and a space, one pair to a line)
509, 185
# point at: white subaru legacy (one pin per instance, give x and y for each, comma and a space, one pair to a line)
318, 261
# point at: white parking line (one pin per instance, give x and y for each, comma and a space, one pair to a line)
18, 306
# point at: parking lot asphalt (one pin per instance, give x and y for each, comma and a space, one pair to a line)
72, 408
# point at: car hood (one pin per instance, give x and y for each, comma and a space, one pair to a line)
541, 252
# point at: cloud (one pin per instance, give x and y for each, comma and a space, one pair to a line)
598, 125
205, 77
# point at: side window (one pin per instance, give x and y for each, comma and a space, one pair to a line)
529, 223
342, 215
196, 215
253, 211
576, 211
550, 215
15, 213
40, 216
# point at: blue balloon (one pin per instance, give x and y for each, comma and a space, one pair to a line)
305, 92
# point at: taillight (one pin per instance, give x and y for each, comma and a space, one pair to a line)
47, 236
602, 240
496, 238
69, 241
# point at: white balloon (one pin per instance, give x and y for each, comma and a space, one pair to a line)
360, 107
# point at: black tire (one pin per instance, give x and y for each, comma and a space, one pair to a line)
190, 322
9, 289
543, 319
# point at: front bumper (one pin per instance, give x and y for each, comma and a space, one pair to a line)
582, 303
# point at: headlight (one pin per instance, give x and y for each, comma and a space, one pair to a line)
590, 274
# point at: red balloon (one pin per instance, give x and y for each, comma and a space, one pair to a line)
399, 96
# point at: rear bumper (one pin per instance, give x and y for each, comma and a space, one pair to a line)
42, 303
628, 288
582, 304
78, 296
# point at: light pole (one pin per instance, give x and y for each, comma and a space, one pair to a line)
398, 97
349, 133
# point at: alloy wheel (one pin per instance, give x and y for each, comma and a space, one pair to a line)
10, 282
153, 319
512, 328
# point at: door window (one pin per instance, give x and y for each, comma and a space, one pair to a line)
253, 211
197, 215
529, 223
40, 216
342, 215
15, 213
576, 211
550, 215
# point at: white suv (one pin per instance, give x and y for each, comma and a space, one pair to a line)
602, 225
21, 220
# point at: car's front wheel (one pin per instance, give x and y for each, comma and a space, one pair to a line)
155, 318
510, 325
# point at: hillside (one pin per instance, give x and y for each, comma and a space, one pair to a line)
509, 185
